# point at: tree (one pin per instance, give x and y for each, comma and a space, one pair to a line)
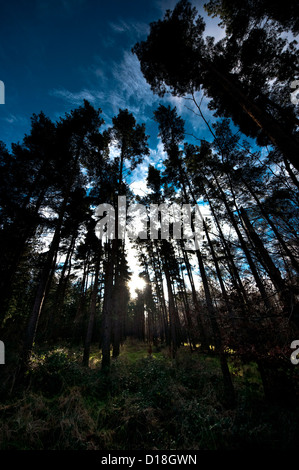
176, 58
28, 181
95, 250
237, 17
171, 129
131, 141
72, 145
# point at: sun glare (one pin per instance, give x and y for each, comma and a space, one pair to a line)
136, 283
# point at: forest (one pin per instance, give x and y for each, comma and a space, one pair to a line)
204, 356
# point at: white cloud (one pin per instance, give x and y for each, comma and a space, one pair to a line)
158, 155
139, 188
118, 28
76, 98
155, 158
16, 119
113, 86
131, 86
177, 101
131, 27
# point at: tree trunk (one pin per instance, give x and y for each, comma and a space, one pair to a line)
45, 278
285, 295
291, 173
200, 323
107, 310
44, 282
63, 276
274, 228
233, 268
160, 292
92, 311
245, 249
173, 336
20, 236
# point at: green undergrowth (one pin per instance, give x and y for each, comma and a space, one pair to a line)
146, 401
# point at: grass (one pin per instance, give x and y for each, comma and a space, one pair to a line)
147, 401
134, 350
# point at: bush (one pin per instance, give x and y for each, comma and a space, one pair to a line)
55, 371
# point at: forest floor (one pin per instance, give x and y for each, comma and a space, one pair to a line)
146, 402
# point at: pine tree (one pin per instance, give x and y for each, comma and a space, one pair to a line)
131, 141
176, 58
71, 141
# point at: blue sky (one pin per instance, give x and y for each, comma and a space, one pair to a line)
55, 53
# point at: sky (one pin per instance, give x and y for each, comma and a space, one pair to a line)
56, 53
